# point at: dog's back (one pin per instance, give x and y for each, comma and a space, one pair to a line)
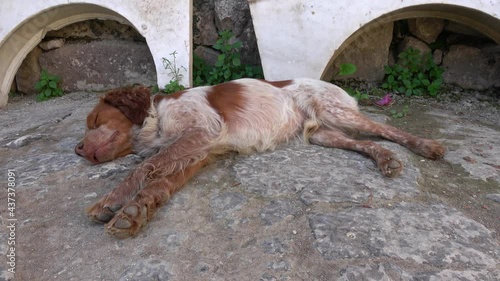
245, 115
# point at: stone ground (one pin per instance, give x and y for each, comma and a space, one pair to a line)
298, 213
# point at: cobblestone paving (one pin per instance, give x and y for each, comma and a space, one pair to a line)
298, 213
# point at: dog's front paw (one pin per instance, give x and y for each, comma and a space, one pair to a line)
128, 221
103, 210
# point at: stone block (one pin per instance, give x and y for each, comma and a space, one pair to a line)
369, 52
258, 174
209, 55
51, 44
426, 29
412, 42
101, 65
250, 51
232, 15
205, 32
437, 56
97, 29
441, 236
471, 67
29, 72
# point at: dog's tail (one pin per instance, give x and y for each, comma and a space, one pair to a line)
311, 125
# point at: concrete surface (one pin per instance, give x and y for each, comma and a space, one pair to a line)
298, 213
302, 38
166, 25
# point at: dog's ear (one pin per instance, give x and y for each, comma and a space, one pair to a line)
134, 102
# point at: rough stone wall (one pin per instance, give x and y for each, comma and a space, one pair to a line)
90, 55
369, 53
97, 30
101, 65
214, 16
471, 60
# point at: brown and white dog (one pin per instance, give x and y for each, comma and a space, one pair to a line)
178, 134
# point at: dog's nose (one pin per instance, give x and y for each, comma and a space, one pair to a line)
79, 149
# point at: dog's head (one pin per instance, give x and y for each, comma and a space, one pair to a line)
109, 124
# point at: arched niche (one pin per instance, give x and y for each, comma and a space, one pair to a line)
298, 38
166, 26
482, 22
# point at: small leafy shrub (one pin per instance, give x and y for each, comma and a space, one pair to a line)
414, 74
228, 66
175, 83
201, 72
48, 86
355, 93
173, 86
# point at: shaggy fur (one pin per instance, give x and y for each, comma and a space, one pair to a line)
178, 134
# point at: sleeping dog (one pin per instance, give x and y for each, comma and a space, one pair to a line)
180, 133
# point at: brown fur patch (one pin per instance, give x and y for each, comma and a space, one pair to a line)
158, 98
134, 102
227, 99
278, 84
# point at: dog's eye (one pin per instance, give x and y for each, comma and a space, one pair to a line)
92, 121
95, 122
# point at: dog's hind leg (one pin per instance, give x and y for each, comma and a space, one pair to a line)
385, 159
353, 120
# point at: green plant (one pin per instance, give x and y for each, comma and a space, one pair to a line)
355, 93
175, 83
228, 66
400, 114
155, 89
173, 86
48, 86
414, 74
201, 71
347, 69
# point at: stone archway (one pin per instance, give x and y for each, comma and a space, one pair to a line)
166, 25
486, 24
301, 38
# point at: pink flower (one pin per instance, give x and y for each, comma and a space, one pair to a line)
385, 101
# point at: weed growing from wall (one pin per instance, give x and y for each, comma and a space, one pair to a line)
228, 66
48, 86
414, 74
348, 69
175, 83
